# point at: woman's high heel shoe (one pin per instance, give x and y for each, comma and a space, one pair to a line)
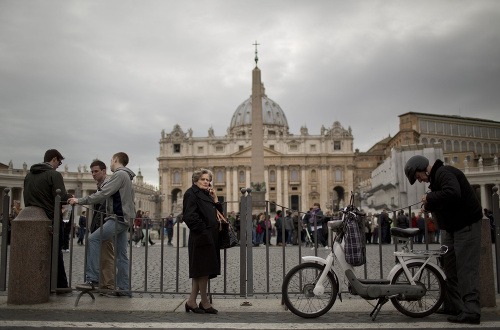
209, 310
194, 310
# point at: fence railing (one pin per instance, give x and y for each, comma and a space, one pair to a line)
246, 270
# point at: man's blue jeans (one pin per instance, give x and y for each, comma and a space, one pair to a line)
110, 227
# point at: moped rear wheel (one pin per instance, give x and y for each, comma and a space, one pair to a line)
434, 284
297, 290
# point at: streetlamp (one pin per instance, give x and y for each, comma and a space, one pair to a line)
157, 198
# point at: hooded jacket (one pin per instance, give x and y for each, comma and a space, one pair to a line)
452, 199
118, 193
40, 186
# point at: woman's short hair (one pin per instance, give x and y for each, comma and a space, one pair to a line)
198, 173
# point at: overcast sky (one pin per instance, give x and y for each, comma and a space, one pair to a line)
91, 78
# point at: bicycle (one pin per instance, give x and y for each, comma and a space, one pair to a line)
415, 285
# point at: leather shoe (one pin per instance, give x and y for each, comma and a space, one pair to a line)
445, 311
209, 310
195, 310
465, 318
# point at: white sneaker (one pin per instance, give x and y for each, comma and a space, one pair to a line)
326, 247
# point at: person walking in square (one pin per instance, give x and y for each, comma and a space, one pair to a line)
82, 226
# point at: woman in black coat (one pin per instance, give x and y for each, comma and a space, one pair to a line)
200, 205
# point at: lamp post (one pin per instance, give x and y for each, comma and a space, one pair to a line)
157, 198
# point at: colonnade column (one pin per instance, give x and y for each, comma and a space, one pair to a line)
484, 197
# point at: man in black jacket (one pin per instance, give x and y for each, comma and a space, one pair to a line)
40, 186
455, 206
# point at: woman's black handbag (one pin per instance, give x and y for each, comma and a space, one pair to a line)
227, 234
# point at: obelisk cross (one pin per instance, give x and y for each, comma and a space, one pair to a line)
256, 57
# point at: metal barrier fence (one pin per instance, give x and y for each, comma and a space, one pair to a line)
258, 271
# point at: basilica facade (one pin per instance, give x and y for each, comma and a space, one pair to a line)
299, 169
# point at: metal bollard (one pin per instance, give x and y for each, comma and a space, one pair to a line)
29, 264
3, 246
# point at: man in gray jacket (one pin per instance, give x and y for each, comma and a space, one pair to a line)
120, 211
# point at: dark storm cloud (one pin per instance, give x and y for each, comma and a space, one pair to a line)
95, 77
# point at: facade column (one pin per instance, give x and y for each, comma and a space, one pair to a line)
305, 198
279, 199
323, 182
247, 177
189, 171
286, 198
235, 185
229, 197
266, 180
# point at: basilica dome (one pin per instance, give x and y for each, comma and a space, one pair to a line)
271, 114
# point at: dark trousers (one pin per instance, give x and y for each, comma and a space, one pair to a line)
321, 237
62, 280
461, 266
170, 234
279, 236
81, 235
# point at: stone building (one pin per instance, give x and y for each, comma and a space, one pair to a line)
299, 169
463, 139
470, 144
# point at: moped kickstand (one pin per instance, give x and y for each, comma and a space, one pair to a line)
378, 306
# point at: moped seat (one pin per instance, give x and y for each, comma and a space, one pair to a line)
334, 224
404, 232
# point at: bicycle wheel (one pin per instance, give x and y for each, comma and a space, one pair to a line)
429, 278
297, 290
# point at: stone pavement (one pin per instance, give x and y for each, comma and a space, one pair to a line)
166, 311
154, 308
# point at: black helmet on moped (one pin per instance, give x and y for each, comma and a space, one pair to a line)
415, 164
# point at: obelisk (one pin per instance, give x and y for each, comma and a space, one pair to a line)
257, 161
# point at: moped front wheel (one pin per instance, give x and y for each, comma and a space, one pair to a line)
433, 283
297, 290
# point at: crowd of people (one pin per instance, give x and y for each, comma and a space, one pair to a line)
378, 226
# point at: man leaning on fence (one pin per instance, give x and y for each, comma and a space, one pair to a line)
40, 186
120, 210
107, 251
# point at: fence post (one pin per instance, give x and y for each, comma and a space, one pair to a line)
56, 226
243, 241
496, 217
3, 248
249, 245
